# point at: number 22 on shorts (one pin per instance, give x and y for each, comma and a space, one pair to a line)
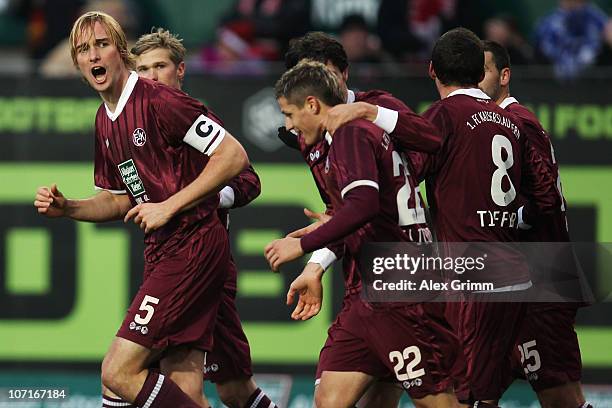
146, 305
399, 359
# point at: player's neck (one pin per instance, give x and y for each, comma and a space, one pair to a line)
445, 90
113, 93
505, 93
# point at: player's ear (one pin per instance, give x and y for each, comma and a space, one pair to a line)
345, 75
180, 71
504, 77
432, 73
313, 105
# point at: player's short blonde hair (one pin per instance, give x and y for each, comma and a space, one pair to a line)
112, 28
161, 38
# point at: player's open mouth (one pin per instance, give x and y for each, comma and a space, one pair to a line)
99, 74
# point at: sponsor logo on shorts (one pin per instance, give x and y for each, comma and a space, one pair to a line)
532, 377
143, 329
417, 382
213, 368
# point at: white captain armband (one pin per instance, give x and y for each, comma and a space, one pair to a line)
323, 257
204, 135
386, 119
226, 197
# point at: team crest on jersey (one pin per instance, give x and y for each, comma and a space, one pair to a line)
139, 137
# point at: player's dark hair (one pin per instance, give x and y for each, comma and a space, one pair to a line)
309, 78
501, 58
458, 58
316, 46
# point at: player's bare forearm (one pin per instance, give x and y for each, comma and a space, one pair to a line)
225, 163
104, 206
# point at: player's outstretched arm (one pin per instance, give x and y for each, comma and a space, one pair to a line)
104, 206
409, 130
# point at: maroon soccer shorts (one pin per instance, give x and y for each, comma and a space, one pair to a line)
178, 300
547, 350
230, 358
487, 332
412, 345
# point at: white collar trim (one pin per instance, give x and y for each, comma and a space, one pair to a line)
125, 95
328, 138
473, 92
350, 97
508, 101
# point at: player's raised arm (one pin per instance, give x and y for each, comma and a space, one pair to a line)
409, 130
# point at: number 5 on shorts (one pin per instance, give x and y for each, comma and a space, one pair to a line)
146, 305
400, 358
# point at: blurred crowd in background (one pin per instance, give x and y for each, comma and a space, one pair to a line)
245, 37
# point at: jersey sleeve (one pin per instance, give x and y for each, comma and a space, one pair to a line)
539, 183
181, 118
246, 187
106, 175
411, 131
354, 159
424, 164
360, 206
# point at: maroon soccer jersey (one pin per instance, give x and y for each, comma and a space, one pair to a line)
316, 157
245, 187
474, 180
156, 142
362, 155
547, 228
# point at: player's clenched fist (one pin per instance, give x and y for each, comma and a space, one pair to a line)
282, 251
50, 202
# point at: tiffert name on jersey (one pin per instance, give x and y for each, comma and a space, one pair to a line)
497, 218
